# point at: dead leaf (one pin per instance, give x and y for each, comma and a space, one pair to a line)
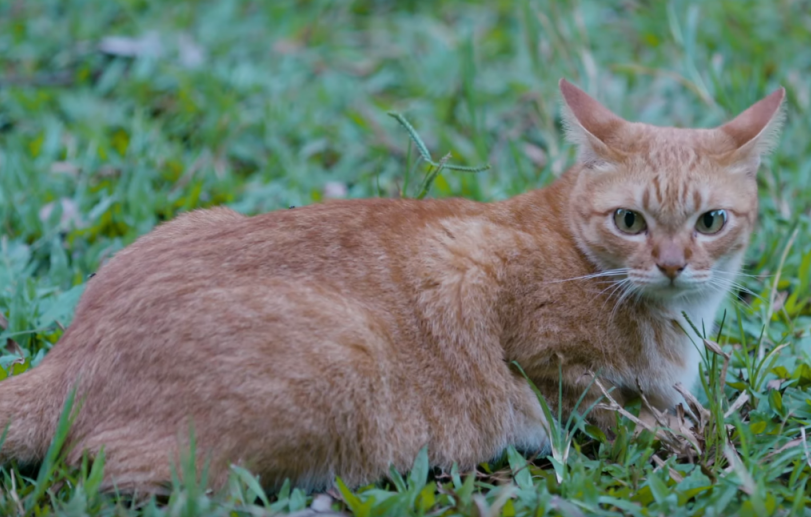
481, 509
675, 476
694, 406
309, 512
147, 45
108, 171
65, 168
14, 496
774, 384
779, 301
717, 350
736, 464
505, 493
11, 345
742, 399
70, 213
322, 503
535, 154
793, 443
190, 54
335, 190
613, 405
564, 507
676, 434
286, 47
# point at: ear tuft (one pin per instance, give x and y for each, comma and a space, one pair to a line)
588, 124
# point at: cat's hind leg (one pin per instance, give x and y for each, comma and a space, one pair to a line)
134, 463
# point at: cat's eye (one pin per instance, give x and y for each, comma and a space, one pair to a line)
628, 221
711, 222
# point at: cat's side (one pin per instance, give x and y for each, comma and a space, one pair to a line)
339, 339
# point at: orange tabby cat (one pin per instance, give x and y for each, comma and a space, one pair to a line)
339, 339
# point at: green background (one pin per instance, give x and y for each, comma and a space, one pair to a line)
118, 114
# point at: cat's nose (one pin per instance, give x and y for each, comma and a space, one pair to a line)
671, 258
671, 270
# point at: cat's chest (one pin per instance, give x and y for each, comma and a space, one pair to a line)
668, 357
670, 352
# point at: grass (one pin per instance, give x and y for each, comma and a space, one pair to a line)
263, 105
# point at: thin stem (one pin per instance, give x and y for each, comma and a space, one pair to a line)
770, 309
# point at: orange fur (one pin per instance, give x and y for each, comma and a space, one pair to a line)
338, 339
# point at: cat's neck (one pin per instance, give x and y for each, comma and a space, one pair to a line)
542, 208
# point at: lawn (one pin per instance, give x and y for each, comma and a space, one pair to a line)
117, 115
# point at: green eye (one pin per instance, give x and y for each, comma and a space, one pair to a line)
629, 221
711, 222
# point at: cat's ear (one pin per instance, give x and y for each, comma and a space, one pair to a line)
588, 124
754, 132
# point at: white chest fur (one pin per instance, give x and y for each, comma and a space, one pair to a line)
672, 356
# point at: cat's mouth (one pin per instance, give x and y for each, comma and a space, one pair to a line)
657, 286
669, 290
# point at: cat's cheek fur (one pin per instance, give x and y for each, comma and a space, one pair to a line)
597, 237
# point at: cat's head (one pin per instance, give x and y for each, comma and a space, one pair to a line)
671, 210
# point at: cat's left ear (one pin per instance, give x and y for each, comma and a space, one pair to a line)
754, 132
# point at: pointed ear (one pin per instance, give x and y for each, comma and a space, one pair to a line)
754, 132
588, 124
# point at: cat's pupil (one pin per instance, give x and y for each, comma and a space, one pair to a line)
629, 219
708, 219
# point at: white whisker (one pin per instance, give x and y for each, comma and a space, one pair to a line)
614, 289
608, 273
720, 286
732, 285
628, 290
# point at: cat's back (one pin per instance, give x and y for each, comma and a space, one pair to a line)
359, 249
380, 252
311, 240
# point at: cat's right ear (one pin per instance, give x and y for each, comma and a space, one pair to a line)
588, 124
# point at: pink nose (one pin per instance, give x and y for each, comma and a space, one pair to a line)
671, 270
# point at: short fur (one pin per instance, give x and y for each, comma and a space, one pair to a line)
338, 339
